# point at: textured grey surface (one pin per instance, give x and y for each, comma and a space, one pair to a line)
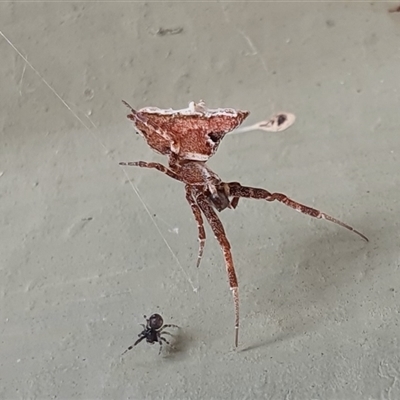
82, 261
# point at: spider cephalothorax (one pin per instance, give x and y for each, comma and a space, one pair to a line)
189, 138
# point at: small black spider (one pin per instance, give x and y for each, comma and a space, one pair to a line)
152, 332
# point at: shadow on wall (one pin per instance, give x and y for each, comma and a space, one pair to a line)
307, 293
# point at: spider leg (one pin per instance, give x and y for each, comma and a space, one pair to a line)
157, 166
131, 347
237, 190
219, 232
169, 326
200, 225
160, 340
162, 332
140, 339
220, 199
164, 340
234, 202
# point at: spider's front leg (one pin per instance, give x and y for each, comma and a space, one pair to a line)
219, 232
199, 219
137, 342
237, 190
157, 166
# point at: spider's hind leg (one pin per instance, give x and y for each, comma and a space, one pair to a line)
200, 224
237, 190
219, 232
160, 340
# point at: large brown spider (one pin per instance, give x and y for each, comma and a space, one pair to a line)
189, 137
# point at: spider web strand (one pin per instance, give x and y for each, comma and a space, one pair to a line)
135, 189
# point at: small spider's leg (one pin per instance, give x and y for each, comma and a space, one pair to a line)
200, 224
237, 190
140, 339
219, 232
160, 340
131, 347
157, 166
164, 340
169, 326
162, 332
